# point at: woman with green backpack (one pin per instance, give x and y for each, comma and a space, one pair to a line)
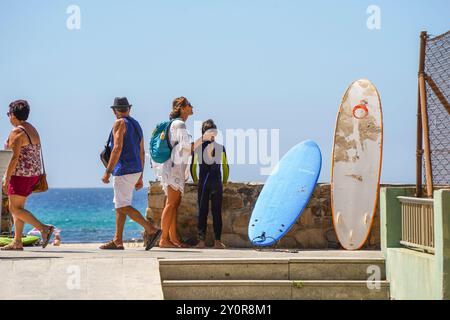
171, 148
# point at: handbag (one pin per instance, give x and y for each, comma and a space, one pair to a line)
105, 155
41, 185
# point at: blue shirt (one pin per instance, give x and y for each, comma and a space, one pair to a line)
130, 158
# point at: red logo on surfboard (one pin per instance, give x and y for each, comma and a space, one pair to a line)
361, 111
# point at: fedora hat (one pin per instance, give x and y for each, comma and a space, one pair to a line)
121, 103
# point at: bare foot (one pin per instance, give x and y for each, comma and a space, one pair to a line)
219, 245
166, 244
201, 245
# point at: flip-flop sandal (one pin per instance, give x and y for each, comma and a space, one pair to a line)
200, 247
170, 246
49, 235
111, 246
10, 247
181, 245
152, 240
220, 247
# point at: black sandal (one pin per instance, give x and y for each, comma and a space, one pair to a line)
49, 235
152, 240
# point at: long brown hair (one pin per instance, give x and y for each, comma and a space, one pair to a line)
177, 104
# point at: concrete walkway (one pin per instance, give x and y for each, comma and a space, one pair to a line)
82, 271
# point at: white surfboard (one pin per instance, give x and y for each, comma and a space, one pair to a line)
356, 164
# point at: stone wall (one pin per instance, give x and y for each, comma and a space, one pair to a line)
6, 219
314, 229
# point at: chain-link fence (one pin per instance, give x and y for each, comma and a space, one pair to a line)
437, 76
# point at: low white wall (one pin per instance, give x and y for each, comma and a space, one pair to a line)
5, 156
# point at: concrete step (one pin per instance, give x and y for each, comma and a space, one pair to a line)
274, 290
273, 269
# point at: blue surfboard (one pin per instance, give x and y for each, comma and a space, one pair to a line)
285, 194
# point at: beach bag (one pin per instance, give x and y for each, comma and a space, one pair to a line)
160, 147
41, 185
105, 155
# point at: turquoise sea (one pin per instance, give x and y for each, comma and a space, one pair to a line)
84, 215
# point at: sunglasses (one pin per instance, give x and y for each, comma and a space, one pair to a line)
8, 114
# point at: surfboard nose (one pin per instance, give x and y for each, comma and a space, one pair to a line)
310, 143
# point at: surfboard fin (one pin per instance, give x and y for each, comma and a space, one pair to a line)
350, 235
338, 217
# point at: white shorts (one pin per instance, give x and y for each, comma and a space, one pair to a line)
123, 189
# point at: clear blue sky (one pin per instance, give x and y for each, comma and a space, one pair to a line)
247, 64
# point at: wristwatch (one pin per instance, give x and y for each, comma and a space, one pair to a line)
109, 171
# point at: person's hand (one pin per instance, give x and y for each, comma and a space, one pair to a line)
106, 177
209, 135
139, 184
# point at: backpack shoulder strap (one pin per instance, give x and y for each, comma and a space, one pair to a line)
168, 135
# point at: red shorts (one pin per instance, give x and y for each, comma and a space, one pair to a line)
22, 186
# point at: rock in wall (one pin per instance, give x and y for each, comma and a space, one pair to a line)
6, 220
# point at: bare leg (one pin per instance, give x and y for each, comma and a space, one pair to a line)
22, 216
139, 218
121, 217
18, 230
173, 235
165, 225
16, 206
167, 217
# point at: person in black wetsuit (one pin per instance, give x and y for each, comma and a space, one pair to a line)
210, 156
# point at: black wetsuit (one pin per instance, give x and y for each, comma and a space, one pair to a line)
210, 187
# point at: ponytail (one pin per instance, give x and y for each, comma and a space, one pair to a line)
177, 104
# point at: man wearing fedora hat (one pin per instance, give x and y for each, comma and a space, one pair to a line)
126, 165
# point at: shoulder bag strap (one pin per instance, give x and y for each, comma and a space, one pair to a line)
109, 138
25, 131
42, 158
